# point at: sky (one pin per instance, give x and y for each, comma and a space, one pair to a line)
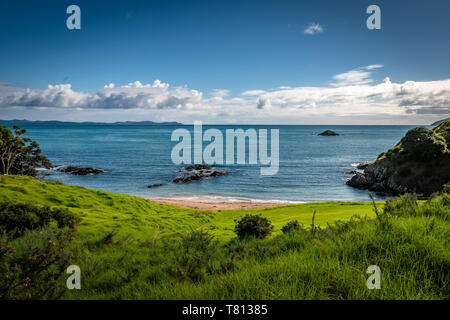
247, 62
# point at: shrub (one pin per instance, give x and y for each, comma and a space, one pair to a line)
15, 218
291, 226
34, 250
437, 205
32, 266
253, 226
193, 256
405, 205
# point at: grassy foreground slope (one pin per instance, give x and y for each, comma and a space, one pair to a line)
104, 212
128, 248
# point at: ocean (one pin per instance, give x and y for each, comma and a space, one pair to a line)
311, 168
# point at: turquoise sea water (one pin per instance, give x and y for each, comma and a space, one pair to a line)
312, 168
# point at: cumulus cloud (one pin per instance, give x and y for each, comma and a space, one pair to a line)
156, 95
354, 94
349, 94
313, 28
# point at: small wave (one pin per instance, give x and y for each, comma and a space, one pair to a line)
205, 198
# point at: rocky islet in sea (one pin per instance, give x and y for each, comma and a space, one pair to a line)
198, 172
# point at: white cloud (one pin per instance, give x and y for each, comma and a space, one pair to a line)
314, 28
353, 93
355, 77
350, 95
252, 92
156, 95
374, 66
220, 93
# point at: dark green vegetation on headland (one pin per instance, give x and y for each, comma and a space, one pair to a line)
131, 248
419, 163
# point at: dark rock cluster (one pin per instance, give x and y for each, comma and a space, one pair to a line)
198, 172
79, 171
155, 185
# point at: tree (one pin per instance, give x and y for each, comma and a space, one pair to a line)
19, 155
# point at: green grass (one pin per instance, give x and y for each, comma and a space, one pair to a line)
104, 212
143, 258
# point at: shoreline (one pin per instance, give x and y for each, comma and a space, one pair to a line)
204, 204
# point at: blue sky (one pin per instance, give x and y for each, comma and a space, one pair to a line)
235, 46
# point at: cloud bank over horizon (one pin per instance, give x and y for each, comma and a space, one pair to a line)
350, 94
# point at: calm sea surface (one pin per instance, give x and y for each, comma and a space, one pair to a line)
312, 168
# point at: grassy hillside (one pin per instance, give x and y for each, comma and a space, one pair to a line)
131, 248
103, 212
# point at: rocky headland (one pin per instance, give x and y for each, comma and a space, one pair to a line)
419, 163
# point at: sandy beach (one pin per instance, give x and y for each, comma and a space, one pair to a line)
215, 205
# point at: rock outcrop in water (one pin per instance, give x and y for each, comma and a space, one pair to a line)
78, 171
155, 185
328, 133
419, 163
198, 172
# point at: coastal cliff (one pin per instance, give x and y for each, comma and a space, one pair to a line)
419, 163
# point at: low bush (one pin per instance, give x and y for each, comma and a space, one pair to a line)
31, 267
405, 205
35, 250
193, 256
291, 226
253, 226
15, 218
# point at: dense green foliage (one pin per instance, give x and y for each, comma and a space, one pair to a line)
253, 226
35, 249
291, 226
131, 248
19, 155
421, 144
16, 218
424, 144
192, 257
